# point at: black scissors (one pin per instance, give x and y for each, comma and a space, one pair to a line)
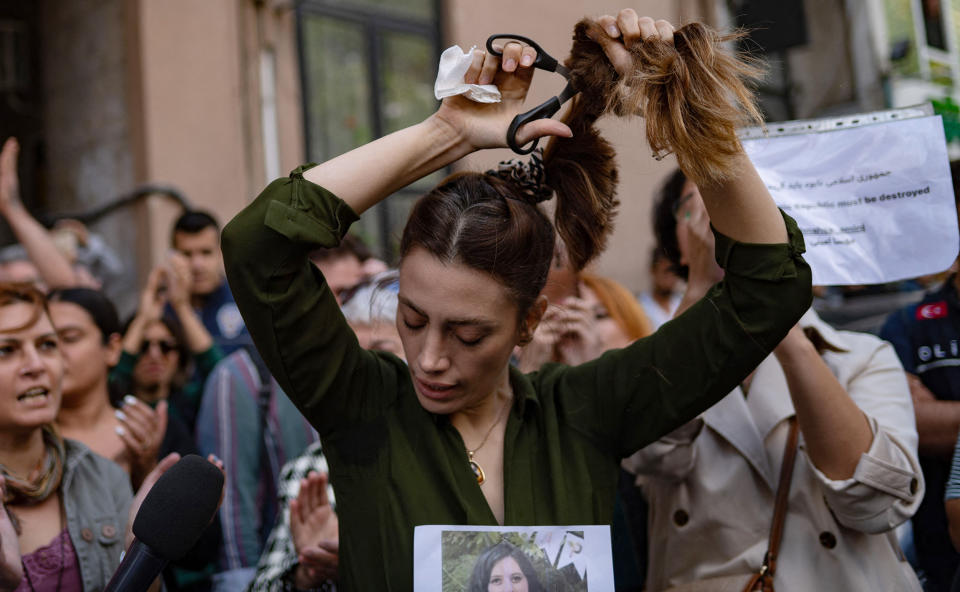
544, 62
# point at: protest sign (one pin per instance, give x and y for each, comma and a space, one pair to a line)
450, 558
872, 196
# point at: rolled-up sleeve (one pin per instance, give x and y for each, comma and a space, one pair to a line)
290, 311
887, 485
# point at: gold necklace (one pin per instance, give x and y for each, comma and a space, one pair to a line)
474, 465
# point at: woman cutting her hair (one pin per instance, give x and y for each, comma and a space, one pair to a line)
457, 436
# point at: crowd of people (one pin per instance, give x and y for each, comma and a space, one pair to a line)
730, 436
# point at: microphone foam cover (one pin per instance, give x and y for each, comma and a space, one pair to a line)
179, 507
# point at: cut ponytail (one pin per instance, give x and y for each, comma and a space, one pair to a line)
692, 94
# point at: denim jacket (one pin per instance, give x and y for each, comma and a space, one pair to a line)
96, 497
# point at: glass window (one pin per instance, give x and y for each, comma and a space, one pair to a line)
407, 70
933, 23
337, 89
422, 9
368, 68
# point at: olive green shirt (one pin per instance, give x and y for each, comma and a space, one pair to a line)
394, 466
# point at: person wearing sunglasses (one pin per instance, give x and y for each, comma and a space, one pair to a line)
160, 347
159, 351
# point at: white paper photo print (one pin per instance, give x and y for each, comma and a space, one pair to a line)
872, 196
517, 558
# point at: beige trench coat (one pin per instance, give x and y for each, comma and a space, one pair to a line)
711, 484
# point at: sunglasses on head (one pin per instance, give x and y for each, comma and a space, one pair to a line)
165, 346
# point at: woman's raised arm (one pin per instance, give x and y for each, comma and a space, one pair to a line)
739, 204
288, 308
368, 174
659, 383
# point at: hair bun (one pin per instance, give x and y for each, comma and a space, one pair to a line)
527, 175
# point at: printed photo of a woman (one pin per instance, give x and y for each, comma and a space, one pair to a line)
504, 568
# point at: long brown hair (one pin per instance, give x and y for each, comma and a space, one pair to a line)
692, 94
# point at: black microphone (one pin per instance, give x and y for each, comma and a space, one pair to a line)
174, 514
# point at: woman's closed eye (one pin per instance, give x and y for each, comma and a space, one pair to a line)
470, 336
470, 341
414, 324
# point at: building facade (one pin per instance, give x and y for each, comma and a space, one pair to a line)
217, 97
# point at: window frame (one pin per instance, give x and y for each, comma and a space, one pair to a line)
374, 22
927, 53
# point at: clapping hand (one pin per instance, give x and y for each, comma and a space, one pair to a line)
315, 532
142, 429
179, 280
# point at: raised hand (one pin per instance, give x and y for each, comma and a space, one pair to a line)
179, 280
579, 339
154, 295
141, 429
9, 177
315, 532
484, 125
542, 345
697, 243
626, 30
11, 567
459, 127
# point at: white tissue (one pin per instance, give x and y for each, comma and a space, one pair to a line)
454, 63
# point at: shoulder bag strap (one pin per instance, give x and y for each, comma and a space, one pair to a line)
764, 579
